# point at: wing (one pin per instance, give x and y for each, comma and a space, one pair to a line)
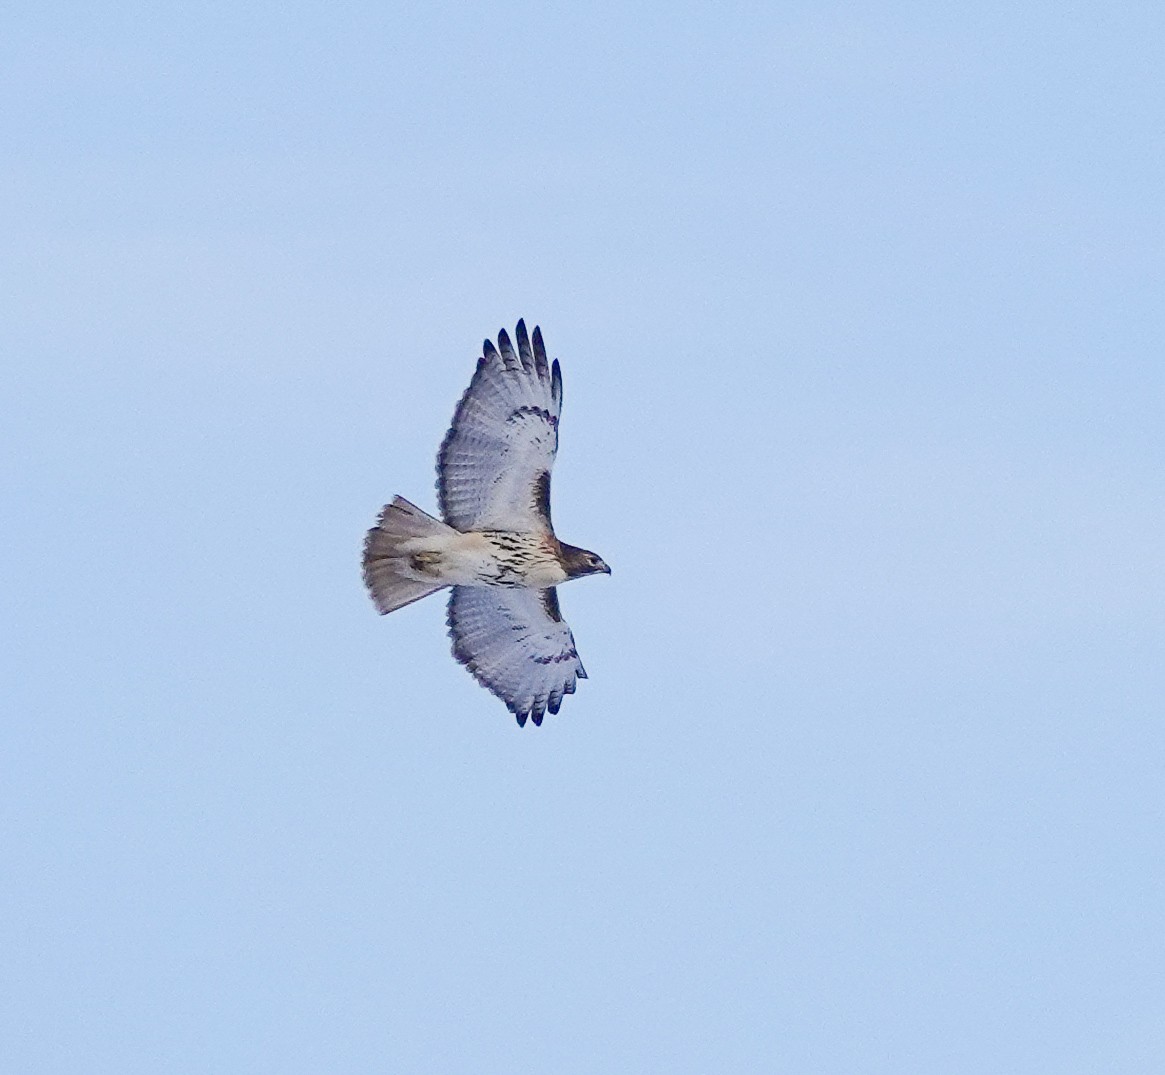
493, 470
516, 644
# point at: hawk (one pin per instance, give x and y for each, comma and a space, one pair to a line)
496, 546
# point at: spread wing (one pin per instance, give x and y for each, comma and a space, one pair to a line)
493, 470
516, 644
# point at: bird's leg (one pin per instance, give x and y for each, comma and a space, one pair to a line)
426, 563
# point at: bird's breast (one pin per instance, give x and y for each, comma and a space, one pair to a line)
523, 560
486, 558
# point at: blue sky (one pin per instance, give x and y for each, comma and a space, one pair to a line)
859, 312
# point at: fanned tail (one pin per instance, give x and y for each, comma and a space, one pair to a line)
384, 563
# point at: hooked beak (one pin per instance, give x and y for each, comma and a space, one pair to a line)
605, 569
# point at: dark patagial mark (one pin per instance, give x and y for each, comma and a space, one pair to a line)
542, 500
550, 604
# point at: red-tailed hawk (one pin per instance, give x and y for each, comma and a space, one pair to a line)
496, 547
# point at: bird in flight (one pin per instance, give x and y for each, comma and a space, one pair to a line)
496, 546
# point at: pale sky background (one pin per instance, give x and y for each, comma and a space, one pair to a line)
860, 311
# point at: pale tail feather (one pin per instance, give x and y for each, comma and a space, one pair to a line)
390, 588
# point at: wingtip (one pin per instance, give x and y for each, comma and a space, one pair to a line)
533, 358
524, 359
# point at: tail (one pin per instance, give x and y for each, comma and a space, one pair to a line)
385, 566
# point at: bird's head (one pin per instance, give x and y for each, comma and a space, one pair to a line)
579, 562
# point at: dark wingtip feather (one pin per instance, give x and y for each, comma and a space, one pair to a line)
536, 359
488, 350
521, 719
528, 360
556, 382
509, 359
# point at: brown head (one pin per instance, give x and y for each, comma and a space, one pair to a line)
578, 562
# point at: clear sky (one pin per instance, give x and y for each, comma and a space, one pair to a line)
859, 309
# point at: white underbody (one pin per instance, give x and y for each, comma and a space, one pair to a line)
482, 558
